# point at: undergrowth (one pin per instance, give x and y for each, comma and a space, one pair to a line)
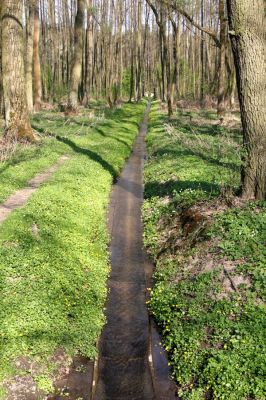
209, 286
53, 255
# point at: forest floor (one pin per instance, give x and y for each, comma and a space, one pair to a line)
209, 248
54, 251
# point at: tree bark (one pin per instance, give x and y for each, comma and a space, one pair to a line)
76, 69
221, 81
89, 54
29, 54
1, 77
248, 36
36, 59
17, 123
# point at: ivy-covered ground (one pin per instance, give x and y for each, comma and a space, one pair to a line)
53, 252
210, 253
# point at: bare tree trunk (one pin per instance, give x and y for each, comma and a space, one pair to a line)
36, 59
248, 32
76, 69
89, 54
29, 54
17, 123
221, 81
202, 77
139, 52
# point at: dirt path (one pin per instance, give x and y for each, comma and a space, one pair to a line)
131, 365
20, 197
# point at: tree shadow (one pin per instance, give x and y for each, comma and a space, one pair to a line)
136, 189
102, 133
187, 152
91, 154
156, 189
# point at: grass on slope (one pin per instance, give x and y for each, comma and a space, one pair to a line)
209, 285
53, 252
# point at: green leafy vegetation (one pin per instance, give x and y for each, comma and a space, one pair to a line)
53, 255
209, 247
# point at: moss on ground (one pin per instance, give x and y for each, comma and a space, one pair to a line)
209, 286
54, 251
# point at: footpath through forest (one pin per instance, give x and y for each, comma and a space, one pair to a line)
20, 197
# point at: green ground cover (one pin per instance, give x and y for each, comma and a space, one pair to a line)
53, 252
209, 247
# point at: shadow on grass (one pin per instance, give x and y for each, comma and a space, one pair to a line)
187, 152
153, 189
102, 133
91, 154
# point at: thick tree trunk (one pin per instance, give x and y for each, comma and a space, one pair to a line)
76, 69
248, 36
17, 123
36, 59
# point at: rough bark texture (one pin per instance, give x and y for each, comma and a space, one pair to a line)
248, 36
17, 121
76, 69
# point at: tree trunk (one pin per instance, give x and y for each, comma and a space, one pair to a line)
248, 32
29, 54
221, 81
202, 76
17, 123
36, 59
76, 69
1, 77
139, 52
89, 55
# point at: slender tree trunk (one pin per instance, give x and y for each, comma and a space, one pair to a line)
36, 59
89, 54
202, 80
221, 82
17, 123
29, 54
76, 69
248, 35
139, 52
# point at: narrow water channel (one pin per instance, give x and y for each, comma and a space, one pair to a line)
131, 365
